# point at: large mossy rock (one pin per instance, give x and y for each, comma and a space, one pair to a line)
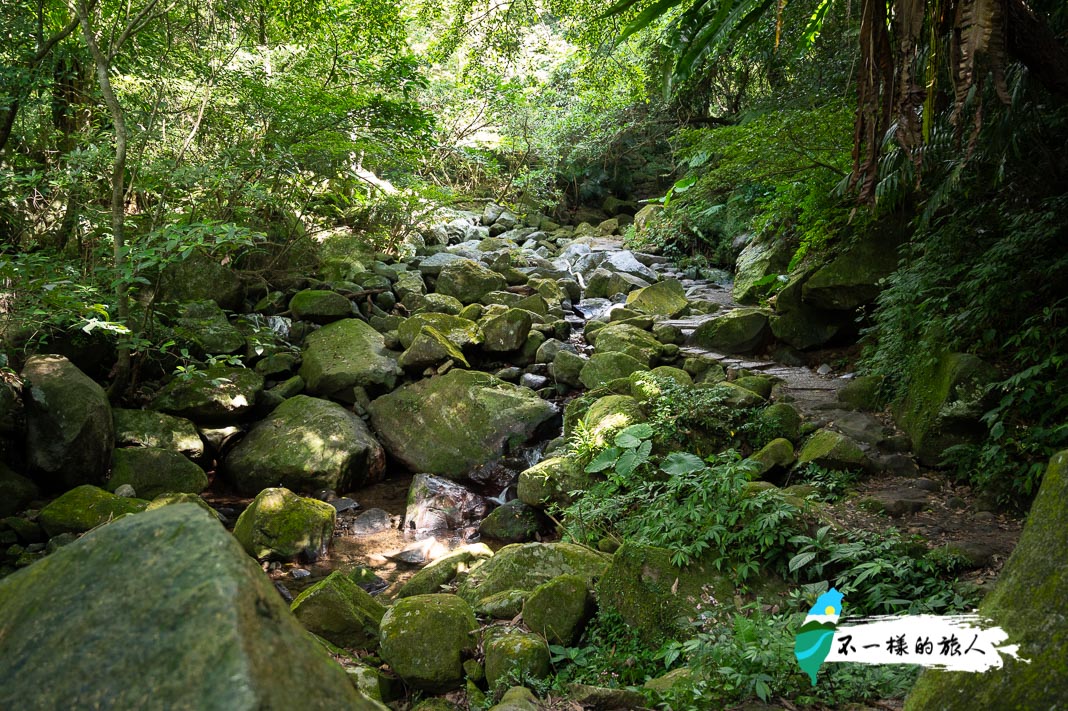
447, 425
944, 405
664, 298
654, 597
152, 471
279, 524
430, 349
85, 507
425, 639
738, 331
204, 324
462, 332
306, 444
550, 481
340, 611
640, 345
162, 610
507, 332
852, 278
319, 306
765, 256
522, 655
344, 355
220, 395
526, 566
146, 428
558, 609
468, 281
511, 522
1028, 603
200, 277
832, 450
69, 430
603, 368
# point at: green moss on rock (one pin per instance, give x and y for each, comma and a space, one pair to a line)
462, 331
445, 569
468, 281
776, 455
558, 609
602, 368
347, 354
739, 331
516, 655
550, 481
220, 395
145, 428
339, 610
511, 522
528, 565
320, 306
279, 524
832, 450
640, 345
152, 471
84, 508
664, 298
425, 639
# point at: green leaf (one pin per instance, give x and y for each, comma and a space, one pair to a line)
602, 461
641, 430
627, 463
627, 440
801, 560
682, 463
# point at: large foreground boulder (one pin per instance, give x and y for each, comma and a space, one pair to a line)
1028, 603
453, 423
305, 445
69, 431
344, 355
160, 610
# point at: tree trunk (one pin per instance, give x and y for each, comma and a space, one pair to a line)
1033, 43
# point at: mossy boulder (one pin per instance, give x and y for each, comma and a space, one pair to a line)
152, 471
776, 455
220, 395
344, 355
603, 284
759, 384
511, 522
306, 444
610, 414
624, 338
320, 306
425, 639
84, 508
567, 368
664, 298
204, 324
559, 608
200, 277
862, 393
653, 596
340, 611
944, 405
445, 569
515, 654
603, 368
279, 524
159, 610
69, 430
180, 498
765, 256
15, 491
507, 332
526, 566
468, 281
852, 278
504, 605
462, 332
419, 422
439, 304
1028, 603
146, 428
800, 324
781, 419
832, 450
735, 395
739, 331
550, 481
409, 283
429, 349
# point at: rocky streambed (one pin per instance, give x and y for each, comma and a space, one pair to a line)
391, 456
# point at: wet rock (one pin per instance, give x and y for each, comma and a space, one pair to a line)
69, 430
1028, 604
445, 569
340, 611
370, 522
425, 638
532, 381
417, 423
437, 504
84, 508
521, 654
219, 640
739, 331
220, 395
145, 428
152, 471
306, 444
279, 524
347, 354
558, 609
528, 565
